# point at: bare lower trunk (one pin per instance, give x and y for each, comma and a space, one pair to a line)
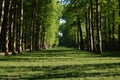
2, 14
80, 33
113, 30
7, 30
99, 44
87, 29
20, 31
92, 27
105, 41
78, 39
37, 47
90, 32
109, 34
14, 27
43, 37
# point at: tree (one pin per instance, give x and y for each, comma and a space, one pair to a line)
14, 26
1, 19
2, 14
20, 29
99, 44
7, 29
80, 32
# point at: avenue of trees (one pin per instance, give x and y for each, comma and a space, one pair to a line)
28, 24
92, 25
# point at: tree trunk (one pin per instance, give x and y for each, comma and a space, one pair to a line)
80, 32
2, 14
106, 37
31, 42
99, 45
20, 29
78, 38
14, 27
87, 31
33, 31
26, 42
75, 42
43, 37
32, 34
1, 22
7, 30
11, 27
109, 27
92, 27
32, 27
109, 34
37, 47
113, 30
90, 31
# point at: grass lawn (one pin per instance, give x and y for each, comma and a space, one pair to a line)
61, 64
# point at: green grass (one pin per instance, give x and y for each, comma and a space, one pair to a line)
61, 64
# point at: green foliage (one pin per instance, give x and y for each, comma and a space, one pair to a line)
51, 21
80, 7
48, 12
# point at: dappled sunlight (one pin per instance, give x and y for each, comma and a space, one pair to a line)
59, 64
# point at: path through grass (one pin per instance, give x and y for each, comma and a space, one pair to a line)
61, 64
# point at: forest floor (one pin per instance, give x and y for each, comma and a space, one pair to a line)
61, 64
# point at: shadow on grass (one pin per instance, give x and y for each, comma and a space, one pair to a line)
66, 71
39, 55
78, 71
111, 54
59, 51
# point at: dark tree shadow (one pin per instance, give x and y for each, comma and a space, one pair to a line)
66, 71
111, 54
77, 71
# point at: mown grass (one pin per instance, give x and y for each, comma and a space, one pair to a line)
61, 64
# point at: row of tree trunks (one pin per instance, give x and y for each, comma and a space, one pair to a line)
93, 44
109, 41
79, 34
10, 29
37, 41
14, 37
89, 28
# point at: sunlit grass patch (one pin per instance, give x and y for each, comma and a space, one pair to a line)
60, 64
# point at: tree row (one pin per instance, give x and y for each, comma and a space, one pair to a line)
28, 25
92, 25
